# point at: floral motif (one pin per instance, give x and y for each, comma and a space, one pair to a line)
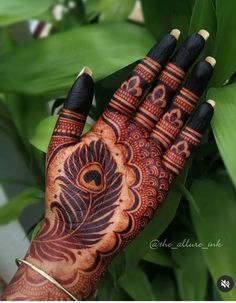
132, 86
181, 149
157, 97
174, 117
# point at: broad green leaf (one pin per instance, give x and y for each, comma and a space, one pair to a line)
136, 284
5, 181
109, 291
87, 128
12, 209
12, 11
160, 17
114, 10
43, 133
224, 124
159, 257
204, 17
44, 130
117, 266
36, 229
225, 44
49, 65
164, 286
26, 112
141, 244
215, 227
191, 270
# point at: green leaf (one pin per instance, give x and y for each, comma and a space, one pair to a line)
224, 124
164, 286
225, 44
12, 11
140, 246
117, 266
26, 112
12, 209
114, 10
43, 133
14, 181
108, 291
159, 257
36, 229
136, 284
191, 271
105, 48
216, 223
203, 16
186, 194
44, 130
161, 17
87, 128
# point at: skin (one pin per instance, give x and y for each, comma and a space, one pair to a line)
104, 187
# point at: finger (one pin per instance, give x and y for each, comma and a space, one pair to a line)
128, 96
175, 157
183, 105
73, 115
153, 106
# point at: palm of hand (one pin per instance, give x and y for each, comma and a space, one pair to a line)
102, 190
110, 182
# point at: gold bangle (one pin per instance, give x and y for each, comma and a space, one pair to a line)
46, 276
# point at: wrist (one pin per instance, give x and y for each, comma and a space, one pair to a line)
76, 270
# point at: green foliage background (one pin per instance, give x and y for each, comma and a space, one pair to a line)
201, 206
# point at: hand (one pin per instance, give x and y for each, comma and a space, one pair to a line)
104, 187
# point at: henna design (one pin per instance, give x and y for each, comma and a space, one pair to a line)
154, 104
89, 191
126, 98
67, 131
175, 158
104, 187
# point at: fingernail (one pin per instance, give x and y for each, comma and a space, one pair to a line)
85, 70
176, 33
211, 61
205, 34
211, 102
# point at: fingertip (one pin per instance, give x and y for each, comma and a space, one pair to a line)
199, 77
211, 60
204, 33
163, 49
211, 102
176, 33
80, 96
188, 52
201, 118
85, 70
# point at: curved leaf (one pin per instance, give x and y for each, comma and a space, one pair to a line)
216, 224
161, 17
12, 11
43, 133
189, 260
224, 124
12, 209
140, 288
56, 60
44, 130
203, 16
115, 10
225, 44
